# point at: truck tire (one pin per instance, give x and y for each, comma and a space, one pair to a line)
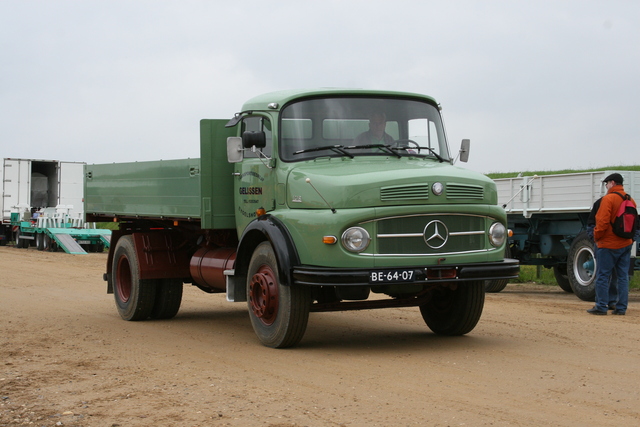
560, 273
40, 241
50, 244
21, 243
494, 286
454, 311
168, 299
278, 313
134, 297
581, 267
46, 243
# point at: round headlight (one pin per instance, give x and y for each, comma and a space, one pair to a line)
355, 239
437, 188
497, 234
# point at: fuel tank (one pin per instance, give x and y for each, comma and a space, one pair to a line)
207, 267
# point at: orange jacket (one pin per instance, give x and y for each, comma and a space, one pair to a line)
603, 233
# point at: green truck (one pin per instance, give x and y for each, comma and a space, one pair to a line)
303, 202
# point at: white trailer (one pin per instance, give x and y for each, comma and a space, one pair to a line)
548, 216
31, 184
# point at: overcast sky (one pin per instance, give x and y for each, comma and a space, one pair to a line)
535, 85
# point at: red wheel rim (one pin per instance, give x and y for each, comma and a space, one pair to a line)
263, 295
123, 279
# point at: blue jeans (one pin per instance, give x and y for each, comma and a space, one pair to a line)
610, 260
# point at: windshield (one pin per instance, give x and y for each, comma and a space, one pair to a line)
351, 126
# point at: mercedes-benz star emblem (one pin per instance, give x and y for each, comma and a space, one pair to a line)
436, 234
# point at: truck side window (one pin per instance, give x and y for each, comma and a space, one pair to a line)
263, 124
426, 133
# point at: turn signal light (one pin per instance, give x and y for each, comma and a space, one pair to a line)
329, 240
260, 212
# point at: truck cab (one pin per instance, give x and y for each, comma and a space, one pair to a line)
349, 213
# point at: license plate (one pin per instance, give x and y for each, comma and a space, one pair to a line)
392, 276
84, 242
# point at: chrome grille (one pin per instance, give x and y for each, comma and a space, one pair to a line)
413, 235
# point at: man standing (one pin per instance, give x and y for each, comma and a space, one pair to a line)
613, 253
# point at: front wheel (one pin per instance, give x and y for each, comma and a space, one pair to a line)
454, 311
581, 267
134, 297
278, 313
494, 286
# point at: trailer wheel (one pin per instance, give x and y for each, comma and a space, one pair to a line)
46, 243
278, 313
21, 243
134, 297
40, 241
560, 273
581, 267
168, 299
454, 311
51, 244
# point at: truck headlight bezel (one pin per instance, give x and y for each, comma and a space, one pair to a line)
355, 239
497, 234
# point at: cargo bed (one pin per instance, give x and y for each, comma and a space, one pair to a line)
168, 189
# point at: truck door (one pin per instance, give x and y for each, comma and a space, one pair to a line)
70, 187
16, 185
253, 186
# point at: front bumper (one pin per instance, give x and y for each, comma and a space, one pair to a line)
323, 276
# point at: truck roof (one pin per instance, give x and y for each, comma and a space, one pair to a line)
275, 100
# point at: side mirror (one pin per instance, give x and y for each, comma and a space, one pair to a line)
464, 150
234, 149
254, 139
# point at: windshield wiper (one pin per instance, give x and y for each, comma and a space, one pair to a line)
418, 148
336, 148
435, 154
383, 147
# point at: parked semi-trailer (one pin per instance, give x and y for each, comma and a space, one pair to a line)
291, 210
30, 184
42, 207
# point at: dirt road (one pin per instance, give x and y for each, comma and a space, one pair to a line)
535, 358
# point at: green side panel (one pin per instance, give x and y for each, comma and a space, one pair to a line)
164, 188
216, 175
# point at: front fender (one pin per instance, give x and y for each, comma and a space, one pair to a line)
267, 228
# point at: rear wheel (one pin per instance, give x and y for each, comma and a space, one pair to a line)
454, 311
278, 313
581, 267
134, 297
168, 299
